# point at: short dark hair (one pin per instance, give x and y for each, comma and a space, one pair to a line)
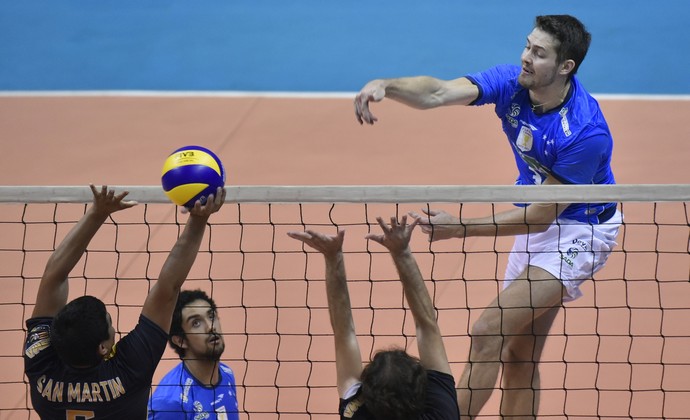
571, 34
183, 299
394, 385
77, 330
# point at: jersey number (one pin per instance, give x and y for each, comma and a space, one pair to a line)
80, 415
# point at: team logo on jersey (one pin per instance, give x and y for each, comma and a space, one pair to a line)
352, 407
512, 114
37, 340
525, 139
200, 413
514, 110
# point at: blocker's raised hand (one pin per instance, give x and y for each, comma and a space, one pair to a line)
395, 237
328, 245
106, 202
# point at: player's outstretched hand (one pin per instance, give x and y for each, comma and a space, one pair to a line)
395, 237
373, 91
328, 245
105, 201
213, 203
439, 225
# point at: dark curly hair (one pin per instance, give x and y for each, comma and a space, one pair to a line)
571, 34
183, 299
394, 386
78, 329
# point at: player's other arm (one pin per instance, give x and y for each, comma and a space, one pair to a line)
348, 358
420, 92
534, 218
54, 288
160, 302
396, 238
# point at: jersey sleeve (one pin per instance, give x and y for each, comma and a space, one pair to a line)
37, 348
579, 161
141, 350
494, 83
441, 397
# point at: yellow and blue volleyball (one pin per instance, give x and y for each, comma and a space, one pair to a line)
192, 173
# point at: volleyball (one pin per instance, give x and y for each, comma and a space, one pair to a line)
192, 173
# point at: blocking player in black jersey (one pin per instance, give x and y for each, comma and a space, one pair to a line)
75, 370
395, 385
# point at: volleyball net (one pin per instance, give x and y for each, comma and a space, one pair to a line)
621, 351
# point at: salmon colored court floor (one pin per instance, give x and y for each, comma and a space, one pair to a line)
625, 342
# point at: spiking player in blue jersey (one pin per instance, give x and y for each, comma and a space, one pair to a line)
76, 370
200, 387
558, 135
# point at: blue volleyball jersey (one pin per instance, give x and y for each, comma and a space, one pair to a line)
117, 388
181, 396
572, 142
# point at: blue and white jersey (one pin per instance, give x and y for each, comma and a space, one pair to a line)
181, 396
572, 143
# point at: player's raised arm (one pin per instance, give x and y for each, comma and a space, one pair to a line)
348, 358
396, 239
53, 289
160, 302
421, 92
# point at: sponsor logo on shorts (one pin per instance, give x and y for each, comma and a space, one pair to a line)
571, 254
582, 244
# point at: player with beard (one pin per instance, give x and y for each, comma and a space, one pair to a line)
558, 135
201, 386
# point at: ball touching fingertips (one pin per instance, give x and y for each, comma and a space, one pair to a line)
192, 173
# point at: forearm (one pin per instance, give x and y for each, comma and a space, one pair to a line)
183, 254
339, 307
419, 92
161, 300
71, 249
415, 291
424, 92
348, 358
531, 219
54, 287
432, 352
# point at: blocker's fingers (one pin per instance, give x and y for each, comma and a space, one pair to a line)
375, 238
122, 195
383, 225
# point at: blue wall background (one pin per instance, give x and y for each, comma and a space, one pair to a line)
639, 47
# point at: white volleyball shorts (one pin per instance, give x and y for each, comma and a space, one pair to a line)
570, 251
